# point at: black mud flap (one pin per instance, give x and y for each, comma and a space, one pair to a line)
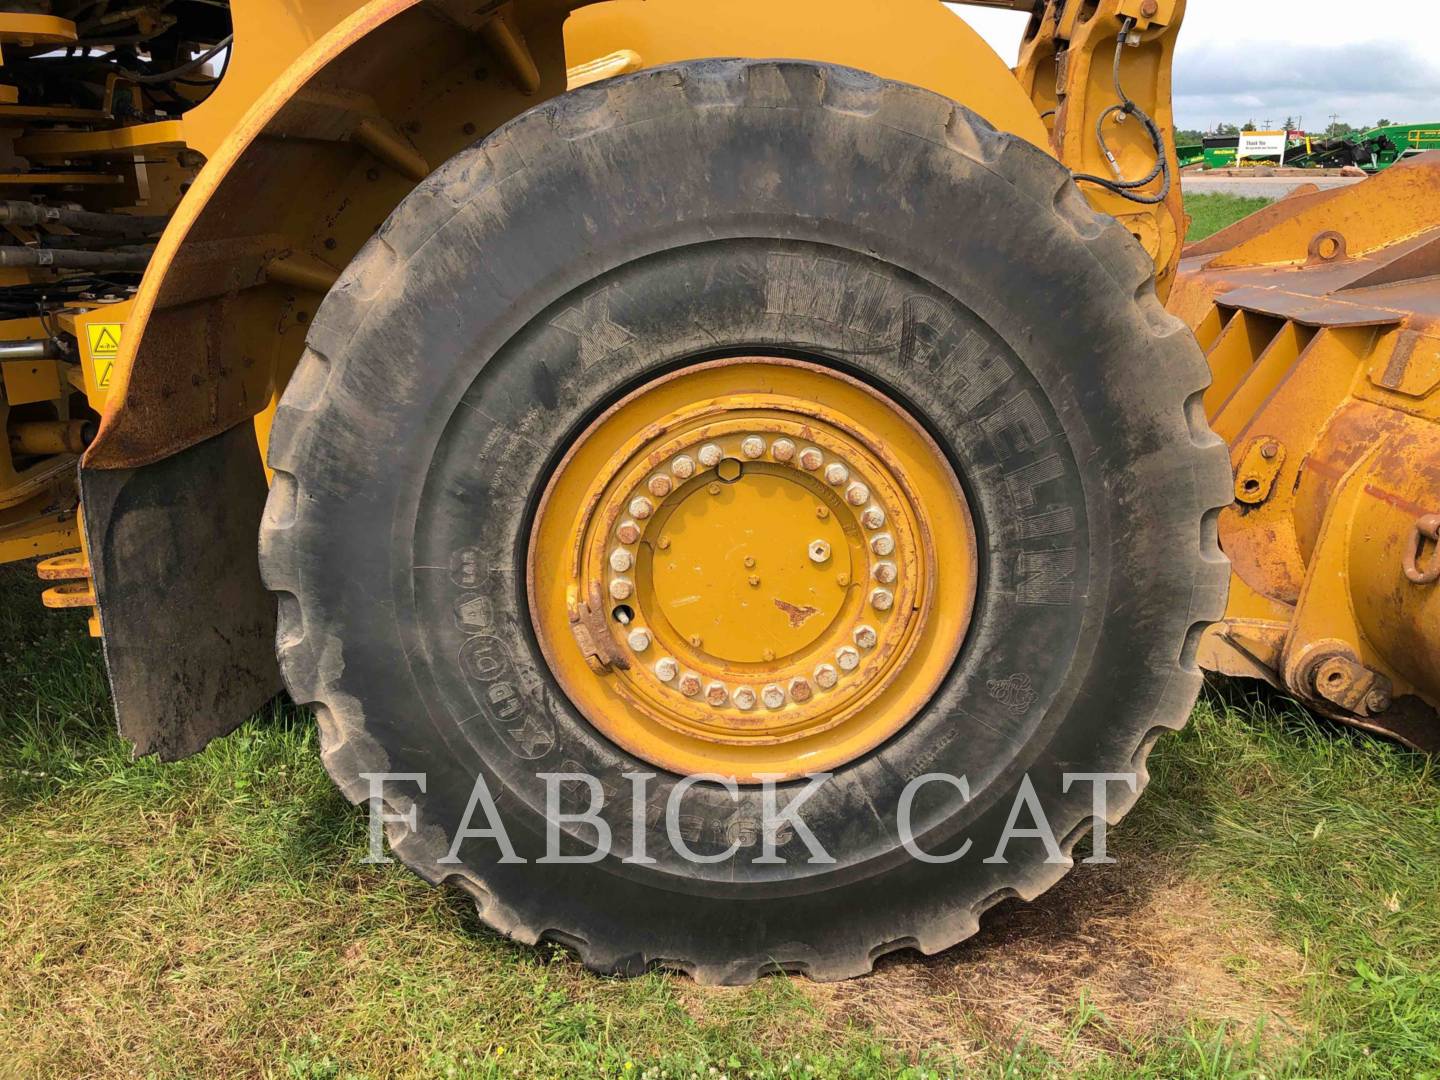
189, 630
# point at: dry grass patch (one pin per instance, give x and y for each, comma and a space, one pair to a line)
1112, 957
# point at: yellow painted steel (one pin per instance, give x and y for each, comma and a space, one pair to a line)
1321, 318
737, 569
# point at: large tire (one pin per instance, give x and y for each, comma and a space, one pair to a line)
441, 386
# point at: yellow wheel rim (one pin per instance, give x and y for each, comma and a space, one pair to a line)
752, 567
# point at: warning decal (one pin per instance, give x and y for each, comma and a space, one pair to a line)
104, 341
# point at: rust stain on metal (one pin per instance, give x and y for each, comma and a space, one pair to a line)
797, 614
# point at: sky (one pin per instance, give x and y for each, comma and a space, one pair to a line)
1266, 60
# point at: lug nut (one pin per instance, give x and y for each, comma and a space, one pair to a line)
836, 474
885, 572
689, 684
621, 588
752, 447
819, 551
882, 600
782, 450
683, 467
666, 668
811, 459
638, 639
641, 507
847, 658
883, 545
659, 486
772, 696
716, 694
628, 532
744, 698
800, 690
710, 455
865, 636
826, 676
857, 494
872, 517
621, 560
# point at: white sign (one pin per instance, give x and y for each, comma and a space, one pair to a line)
1261, 144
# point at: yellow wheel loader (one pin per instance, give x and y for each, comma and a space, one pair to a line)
742, 485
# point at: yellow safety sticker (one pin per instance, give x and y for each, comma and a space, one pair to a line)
104, 339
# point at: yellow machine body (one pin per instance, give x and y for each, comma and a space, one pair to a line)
331, 111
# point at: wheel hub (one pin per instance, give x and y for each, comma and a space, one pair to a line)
751, 570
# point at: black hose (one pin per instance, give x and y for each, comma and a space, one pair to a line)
28, 214
31, 257
1126, 188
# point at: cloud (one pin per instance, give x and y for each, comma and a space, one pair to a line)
1359, 81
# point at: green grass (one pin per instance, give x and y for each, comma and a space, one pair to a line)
1274, 911
1211, 213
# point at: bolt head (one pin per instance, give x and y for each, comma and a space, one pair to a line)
836, 474
710, 455
621, 588
819, 551
754, 581
773, 696
689, 684
752, 447
663, 543
847, 658
641, 507
872, 517
628, 532
1149, 9
1269, 450
714, 489
717, 694
882, 600
865, 636
666, 668
660, 486
883, 545
842, 580
800, 690
695, 641
749, 561
822, 512
767, 655
744, 698
782, 450
683, 467
885, 572
826, 676
811, 459
638, 640
621, 560
1377, 701
857, 494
